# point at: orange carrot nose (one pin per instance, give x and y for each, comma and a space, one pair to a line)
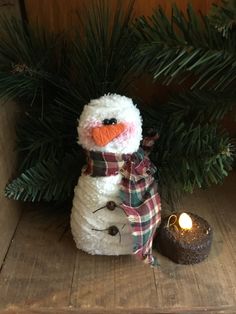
105, 134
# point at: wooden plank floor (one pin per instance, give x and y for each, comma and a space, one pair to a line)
45, 274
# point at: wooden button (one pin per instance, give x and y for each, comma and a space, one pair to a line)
111, 205
113, 230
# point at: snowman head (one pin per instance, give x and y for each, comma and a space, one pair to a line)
111, 124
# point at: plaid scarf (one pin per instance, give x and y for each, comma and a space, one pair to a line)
138, 193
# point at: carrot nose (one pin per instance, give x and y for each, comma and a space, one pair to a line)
105, 134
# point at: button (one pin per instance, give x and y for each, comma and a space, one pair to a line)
113, 230
111, 205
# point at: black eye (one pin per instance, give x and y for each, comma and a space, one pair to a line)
113, 121
106, 121
109, 121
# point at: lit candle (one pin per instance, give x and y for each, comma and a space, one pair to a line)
185, 238
185, 221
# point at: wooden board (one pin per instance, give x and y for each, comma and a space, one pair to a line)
58, 15
9, 210
45, 274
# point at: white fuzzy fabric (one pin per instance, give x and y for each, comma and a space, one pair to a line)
107, 107
92, 193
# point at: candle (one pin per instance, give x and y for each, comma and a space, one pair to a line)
185, 238
185, 221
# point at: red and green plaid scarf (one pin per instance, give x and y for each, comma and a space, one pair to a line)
138, 192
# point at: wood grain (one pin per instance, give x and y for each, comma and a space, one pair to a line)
41, 266
44, 275
9, 210
223, 310
58, 15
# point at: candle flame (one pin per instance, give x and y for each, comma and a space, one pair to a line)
185, 221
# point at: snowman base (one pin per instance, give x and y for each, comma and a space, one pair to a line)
101, 232
99, 242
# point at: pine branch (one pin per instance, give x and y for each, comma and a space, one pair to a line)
30, 58
200, 107
45, 139
101, 60
103, 50
191, 152
191, 158
223, 17
186, 47
48, 180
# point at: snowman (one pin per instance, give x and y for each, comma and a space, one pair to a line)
116, 206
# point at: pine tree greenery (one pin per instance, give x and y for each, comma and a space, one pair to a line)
191, 142
48, 180
223, 16
103, 51
98, 61
52, 77
187, 48
29, 58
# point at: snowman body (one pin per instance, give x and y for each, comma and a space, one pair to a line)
90, 230
90, 218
